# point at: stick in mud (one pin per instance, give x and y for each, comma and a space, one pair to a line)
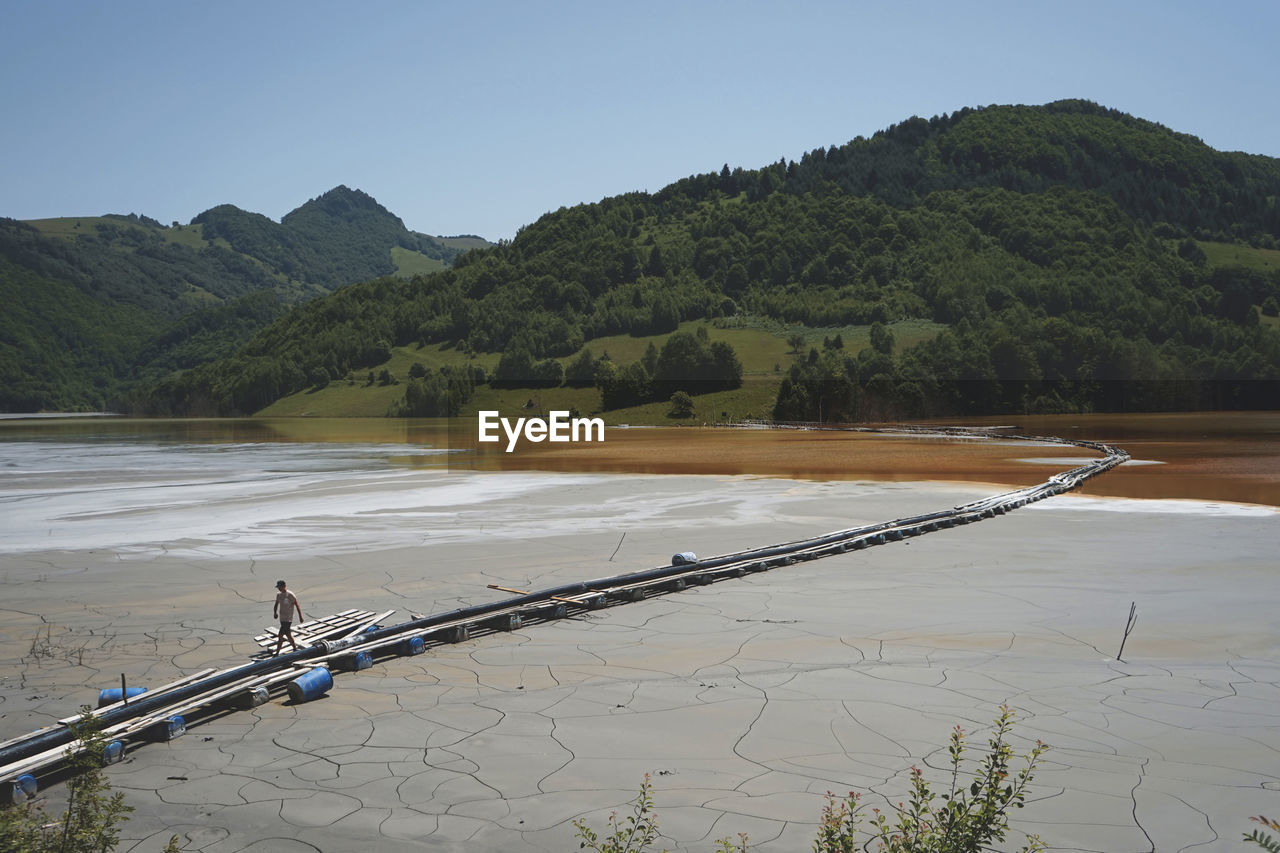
1133, 617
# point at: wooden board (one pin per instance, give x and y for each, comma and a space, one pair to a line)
324, 628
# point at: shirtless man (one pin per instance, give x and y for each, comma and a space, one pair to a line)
286, 605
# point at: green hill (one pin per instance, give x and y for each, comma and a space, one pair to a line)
96, 305
1065, 257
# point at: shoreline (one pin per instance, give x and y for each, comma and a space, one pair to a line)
746, 700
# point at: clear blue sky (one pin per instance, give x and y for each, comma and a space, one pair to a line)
478, 117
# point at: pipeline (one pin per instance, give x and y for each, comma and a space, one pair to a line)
587, 594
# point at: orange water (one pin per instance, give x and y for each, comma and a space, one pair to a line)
1207, 456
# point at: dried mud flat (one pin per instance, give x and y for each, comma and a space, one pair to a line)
745, 701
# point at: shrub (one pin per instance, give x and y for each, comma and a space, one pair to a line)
91, 823
636, 833
970, 819
1262, 839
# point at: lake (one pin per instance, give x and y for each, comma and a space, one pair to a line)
1213, 456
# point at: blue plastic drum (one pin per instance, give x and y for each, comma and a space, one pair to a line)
310, 685
112, 695
113, 752
24, 788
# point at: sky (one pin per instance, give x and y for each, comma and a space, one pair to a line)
466, 117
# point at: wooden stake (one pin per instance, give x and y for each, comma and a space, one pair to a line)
1133, 618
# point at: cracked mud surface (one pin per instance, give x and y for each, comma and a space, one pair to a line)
746, 701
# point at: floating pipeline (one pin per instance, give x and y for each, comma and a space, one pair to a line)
625, 587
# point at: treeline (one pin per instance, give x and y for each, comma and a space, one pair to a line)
436, 393
1058, 244
1169, 181
1017, 363
686, 362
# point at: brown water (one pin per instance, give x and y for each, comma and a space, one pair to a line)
1206, 456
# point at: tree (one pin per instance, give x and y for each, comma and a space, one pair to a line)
881, 339
581, 371
795, 342
91, 823
515, 368
650, 359
548, 373
681, 405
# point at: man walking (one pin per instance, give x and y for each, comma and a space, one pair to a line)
286, 606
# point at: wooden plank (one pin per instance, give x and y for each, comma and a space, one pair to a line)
309, 634
366, 624
324, 623
552, 598
317, 629
337, 619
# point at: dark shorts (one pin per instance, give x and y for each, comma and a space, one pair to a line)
284, 626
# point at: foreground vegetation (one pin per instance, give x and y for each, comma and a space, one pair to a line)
94, 815
972, 816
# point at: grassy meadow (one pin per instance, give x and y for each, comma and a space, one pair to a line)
762, 347
1233, 255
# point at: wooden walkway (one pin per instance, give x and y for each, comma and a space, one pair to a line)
334, 627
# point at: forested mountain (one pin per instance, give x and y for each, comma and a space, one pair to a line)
1063, 247
94, 305
341, 237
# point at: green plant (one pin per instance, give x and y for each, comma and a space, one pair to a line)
970, 818
636, 833
681, 405
1262, 839
91, 823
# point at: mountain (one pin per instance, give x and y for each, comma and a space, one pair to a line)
1064, 257
341, 237
97, 304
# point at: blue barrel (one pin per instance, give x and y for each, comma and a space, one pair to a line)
112, 695
112, 752
361, 660
684, 558
174, 727
413, 646
310, 685
24, 788
252, 698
